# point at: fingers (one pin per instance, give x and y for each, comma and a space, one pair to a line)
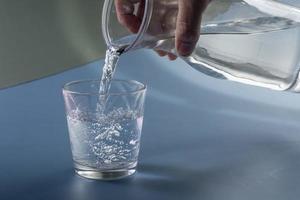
163, 53
125, 12
172, 56
188, 25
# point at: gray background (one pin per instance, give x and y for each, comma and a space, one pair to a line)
42, 37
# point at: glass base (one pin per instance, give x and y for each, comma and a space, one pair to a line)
108, 174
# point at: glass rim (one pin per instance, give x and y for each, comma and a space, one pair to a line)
142, 88
142, 29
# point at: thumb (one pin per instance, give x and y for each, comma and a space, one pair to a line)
188, 25
126, 13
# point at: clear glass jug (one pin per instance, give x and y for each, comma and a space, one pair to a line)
255, 42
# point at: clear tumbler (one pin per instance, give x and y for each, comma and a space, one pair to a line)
105, 139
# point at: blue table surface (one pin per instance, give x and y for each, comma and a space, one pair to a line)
202, 138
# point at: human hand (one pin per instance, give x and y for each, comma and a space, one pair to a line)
187, 23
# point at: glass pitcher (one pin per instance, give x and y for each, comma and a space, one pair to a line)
255, 42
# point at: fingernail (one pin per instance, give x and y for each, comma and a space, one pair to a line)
185, 48
126, 9
161, 53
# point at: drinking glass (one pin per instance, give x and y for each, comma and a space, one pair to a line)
104, 129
